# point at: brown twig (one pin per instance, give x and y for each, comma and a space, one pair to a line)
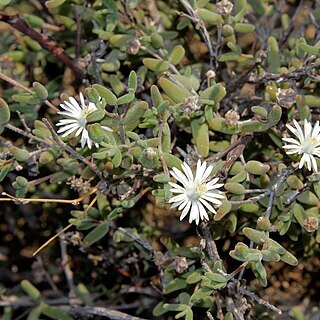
245, 139
68, 226
40, 180
160, 57
164, 164
259, 300
78, 13
142, 242
66, 267
233, 152
28, 135
284, 77
217, 297
77, 311
238, 82
67, 148
102, 312
23, 122
47, 275
21, 86
287, 32
43, 200
283, 175
210, 244
192, 14
44, 41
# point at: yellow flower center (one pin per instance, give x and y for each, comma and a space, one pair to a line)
308, 145
201, 189
313, 140
195, 192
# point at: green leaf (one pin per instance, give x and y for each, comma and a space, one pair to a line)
31, 291
288, 258
134, 113
210, 16
21, 155
258, 6
175, 307
4, 2
224, 209
120, 40
159, 309
96, 234
215, 277
175, 285
190, 82
40, 90
256, 167
107, 94
299, 213
156, 40
260, 272
35, 313
176, 93
156, 64
117, 158
4, 171
187, 313
194, 277
133, 81
4, 112
54, 3
200, 133
172, 161
295, 183
273, 58
270, 255
309, 198
315, 50
156, 96
114, 213
258, 237
127, 98
84, 294
177, 54
200, 294
27, 98
161, 178
55, 313
96, 116
235, 188
244, 27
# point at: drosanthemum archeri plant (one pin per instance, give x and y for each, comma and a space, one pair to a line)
307, 143
77, 120
196, 192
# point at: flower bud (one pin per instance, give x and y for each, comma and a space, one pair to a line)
180, 264
311, 224
133, 46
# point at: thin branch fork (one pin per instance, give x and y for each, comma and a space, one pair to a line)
67, 148
21, 86
243, 140
45, 42
203, 30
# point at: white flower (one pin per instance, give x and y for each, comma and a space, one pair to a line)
77, 119
196, 193
307, 143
